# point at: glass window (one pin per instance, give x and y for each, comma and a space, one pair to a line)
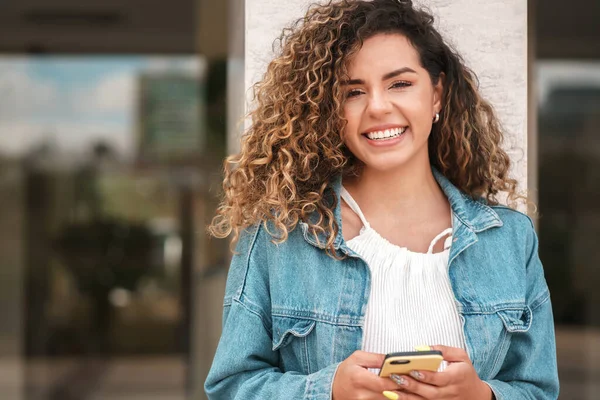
569, 224
88, 137
112, 134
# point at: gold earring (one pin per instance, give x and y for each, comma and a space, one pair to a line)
436, 118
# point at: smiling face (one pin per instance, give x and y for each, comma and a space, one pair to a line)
390, 104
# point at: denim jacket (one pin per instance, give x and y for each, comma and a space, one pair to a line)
292, 313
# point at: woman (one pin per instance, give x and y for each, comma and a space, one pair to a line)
364, 204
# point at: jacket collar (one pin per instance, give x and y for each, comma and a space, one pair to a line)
475, 215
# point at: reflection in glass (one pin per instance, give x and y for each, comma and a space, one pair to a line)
108, 153
569, 203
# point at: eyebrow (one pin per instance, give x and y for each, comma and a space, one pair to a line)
385, 77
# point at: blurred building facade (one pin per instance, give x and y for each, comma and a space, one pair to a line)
109, 285
112, 132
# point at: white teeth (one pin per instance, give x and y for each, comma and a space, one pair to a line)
387, 134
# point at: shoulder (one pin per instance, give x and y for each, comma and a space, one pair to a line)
524, 245
248, 276
517, 228
240, 261
255, 256
252, 245
513, 219
261, 270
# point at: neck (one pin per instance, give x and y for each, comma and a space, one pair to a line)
390, 192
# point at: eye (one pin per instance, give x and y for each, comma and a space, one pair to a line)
400, 85
353, 93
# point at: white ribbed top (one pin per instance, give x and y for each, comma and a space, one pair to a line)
411, 302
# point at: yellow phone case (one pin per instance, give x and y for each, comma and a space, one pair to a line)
403, 363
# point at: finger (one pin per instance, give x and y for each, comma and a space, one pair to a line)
456, 371
452, 354
438, 379
368, 360
411, 385
397, 395
375, 383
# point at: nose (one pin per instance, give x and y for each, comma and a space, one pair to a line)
379, 104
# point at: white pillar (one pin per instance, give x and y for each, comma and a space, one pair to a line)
490, 34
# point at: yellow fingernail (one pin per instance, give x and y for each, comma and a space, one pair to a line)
391, 395
422, 348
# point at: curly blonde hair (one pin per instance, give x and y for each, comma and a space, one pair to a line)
294, 148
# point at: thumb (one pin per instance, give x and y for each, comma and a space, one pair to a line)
367, 360
452, 354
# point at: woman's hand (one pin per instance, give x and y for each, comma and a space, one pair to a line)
458, 381
353, 381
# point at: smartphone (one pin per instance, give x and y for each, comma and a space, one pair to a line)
403, 363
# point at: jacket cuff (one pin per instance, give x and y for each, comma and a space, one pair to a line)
319, 385
502, 390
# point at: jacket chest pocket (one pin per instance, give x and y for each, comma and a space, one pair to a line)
290, 340
489, 334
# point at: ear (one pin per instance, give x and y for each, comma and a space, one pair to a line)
438, 92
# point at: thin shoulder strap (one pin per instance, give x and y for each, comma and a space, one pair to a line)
448, 241
354, 206
438, 237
